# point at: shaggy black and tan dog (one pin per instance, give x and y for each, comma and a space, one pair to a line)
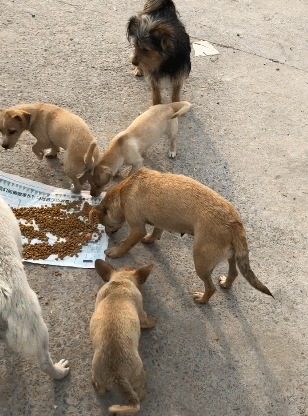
161, 46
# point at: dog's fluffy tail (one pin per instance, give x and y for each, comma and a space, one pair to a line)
153, 5
88, 157
180, 108
129, 396
242, 259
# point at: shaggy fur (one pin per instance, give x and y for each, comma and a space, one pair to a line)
127, 147
22, 325
161, 46
115, 332
53, 127
180, 204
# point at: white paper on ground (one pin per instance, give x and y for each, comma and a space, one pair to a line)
21, 192
203, 48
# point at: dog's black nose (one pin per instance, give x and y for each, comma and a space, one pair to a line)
135, 62
5, 146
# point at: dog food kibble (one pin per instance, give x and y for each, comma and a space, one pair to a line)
68, 222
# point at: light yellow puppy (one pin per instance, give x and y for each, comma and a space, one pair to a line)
128, 146
53, 127
115, 332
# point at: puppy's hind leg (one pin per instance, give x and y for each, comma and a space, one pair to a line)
38, 150
204, 266
136, 166
57, 371
155, 235
226, 282
52, 152
172, 135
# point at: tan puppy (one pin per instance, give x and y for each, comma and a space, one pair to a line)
53, 127
115, 332
127, 147
180, 204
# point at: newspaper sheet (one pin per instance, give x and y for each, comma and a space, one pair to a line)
20, 192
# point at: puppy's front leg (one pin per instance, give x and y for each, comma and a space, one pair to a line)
57, 371
37, 149
137, 165
136, 234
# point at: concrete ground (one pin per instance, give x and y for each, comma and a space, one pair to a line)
244, 353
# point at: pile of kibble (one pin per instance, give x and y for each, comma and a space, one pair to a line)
62, 221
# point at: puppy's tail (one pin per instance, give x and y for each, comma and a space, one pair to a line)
180, 108
88, 157
129, 396
242, 258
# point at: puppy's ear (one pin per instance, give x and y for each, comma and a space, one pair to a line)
162, 33
89, 158
143, 273
132, 27
95, 213
104, 269
23, 117
5, 290
106, 171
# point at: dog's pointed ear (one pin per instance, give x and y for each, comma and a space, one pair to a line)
23, 117
162, 33
104, 269
143, 273
132, 27
89, 158
5, 290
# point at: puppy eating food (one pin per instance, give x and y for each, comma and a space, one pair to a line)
20, 314
161, 46
115, 332
127, 147
53, 127
180, 204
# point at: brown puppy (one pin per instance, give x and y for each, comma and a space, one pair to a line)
180, 204
127, 147
115, 332
53, 127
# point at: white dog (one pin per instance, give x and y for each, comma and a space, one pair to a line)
21, 320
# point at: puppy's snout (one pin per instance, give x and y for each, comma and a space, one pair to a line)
5, 146
135, 61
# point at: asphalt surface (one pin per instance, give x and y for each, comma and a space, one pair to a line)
244, 353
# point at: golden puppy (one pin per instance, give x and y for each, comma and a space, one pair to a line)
180, 204
127, 147
115, 332
53, 127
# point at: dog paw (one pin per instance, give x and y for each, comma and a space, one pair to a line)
148, 239
50, 154
113, 252
138, 72
62, 369
172, 155
75, 189
222, 282
149, 323
40, 155
198, 297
